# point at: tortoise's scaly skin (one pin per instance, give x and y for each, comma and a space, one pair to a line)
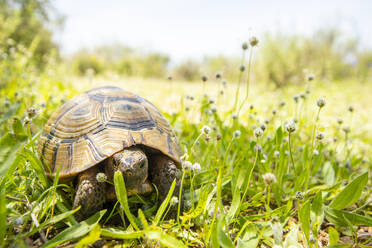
99, 123
109, 129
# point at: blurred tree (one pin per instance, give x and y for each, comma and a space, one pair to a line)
188, 70
30, 21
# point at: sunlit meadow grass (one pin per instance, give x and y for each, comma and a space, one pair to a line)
289, 168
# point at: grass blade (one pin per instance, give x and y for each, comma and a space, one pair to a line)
3, 215
121, 193
164, 239
338, 217
76, 231
164, 204
351, 193
304, 218
116, 233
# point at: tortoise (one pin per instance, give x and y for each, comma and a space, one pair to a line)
104, 130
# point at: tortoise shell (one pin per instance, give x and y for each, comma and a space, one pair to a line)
99, 123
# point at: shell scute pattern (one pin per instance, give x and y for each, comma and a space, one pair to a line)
95, 125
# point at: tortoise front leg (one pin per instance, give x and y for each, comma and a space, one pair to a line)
162, 172
90, 193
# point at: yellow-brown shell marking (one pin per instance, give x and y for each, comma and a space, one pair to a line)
93, 126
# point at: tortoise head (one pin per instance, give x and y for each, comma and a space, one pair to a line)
133, 163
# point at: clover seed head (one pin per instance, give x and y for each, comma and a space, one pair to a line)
269, 178
321, 102
258, 132
300, 195
101, 177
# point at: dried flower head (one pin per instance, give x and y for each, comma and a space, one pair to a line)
290, 127
258, 132
26, 120
321, 102
234, 116
169, 77
281, 103
350, 109
346, 129
242, 68
31, 112
245, 46
295, 98
320, 136
218, 136
204, 78
253, 41
218, 75
237, 133
310, 77
300, 195
205, 129
340, 120
269, 178
263, 127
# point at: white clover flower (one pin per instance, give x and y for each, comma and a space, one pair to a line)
205, 129
258, 132
315, 152
310, 77
174, 201
269, 178
234, 116
196, 167
321, 102
187, 165
290, 127
276, 154
346, 129
101, 177
237, 134
320, 136
214, 109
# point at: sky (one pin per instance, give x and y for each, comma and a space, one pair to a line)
198, 28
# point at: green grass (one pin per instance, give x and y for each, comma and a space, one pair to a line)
316, 190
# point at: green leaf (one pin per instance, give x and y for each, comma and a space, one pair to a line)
250, 238
333, 236
164, 204
338, 217
53, 220
116, 233
76, 231
10, 145
164, 239
37, 166
304, 218
223, 239
91, 238
351, 193
3, 215
17, 127
234, 205
142, 218
121, 193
